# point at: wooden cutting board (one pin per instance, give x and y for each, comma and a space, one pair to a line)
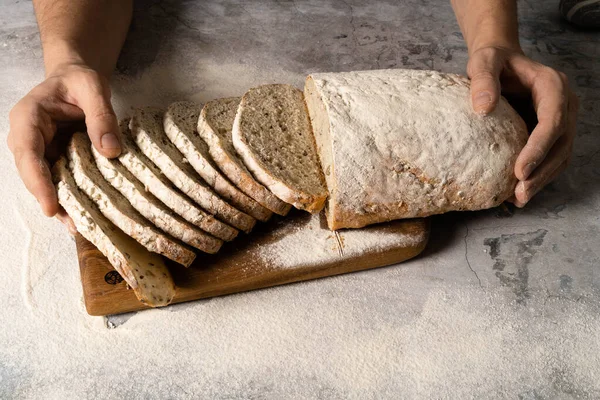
296, 248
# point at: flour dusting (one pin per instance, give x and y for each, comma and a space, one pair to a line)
26, 286
422, 330
306, 241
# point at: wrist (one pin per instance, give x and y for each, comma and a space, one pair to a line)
497, 42
493, 32
60, 55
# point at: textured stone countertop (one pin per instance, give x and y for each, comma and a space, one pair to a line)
503, 303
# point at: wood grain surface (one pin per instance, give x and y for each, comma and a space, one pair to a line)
245, 264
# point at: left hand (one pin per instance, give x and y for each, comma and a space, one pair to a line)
548, 150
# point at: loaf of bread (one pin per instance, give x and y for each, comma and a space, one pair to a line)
371, 146
404, 143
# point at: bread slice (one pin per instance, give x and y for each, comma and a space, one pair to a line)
214, 126
406, 143
144, 272
147, 131
180, 123
151, 208
116, 208
156, 183
272, 134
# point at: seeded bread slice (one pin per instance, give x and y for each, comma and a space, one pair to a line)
180, 123
214, 126
156, 183
144, 272
273, 136
116, 207
151, 208
147, 131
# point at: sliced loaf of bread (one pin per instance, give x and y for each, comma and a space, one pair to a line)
406, 143
214, 126
146, 127
144, 272
151, 208
116, 207
163, 189
180, 123
273, 136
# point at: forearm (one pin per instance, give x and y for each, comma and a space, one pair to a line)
89, 32
488, 23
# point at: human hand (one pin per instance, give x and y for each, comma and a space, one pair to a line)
71, 92
496, 70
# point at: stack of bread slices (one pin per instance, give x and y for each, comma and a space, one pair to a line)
374, 145
182, 184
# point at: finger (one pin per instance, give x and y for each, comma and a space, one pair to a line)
93, 97
26, 140
35, 174
550, 97
557, 160
65, 219
484, 70
525, 190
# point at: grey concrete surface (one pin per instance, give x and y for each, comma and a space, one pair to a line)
535, 271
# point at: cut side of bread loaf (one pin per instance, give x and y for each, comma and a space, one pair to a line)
116, 207
144, 272
214, 126
146, 128
151, 208
180, 123
163, 189
406, 143
273, 136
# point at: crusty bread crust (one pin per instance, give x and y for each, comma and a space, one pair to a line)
228, 161
406, 143
180, 123
144, 272
116, 208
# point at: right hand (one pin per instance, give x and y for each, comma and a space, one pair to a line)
72, 92
549, 147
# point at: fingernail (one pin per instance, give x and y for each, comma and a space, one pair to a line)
520, 187
109, 141
528, 169
481, 101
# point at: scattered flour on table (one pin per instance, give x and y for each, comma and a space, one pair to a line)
307, 242
369, 335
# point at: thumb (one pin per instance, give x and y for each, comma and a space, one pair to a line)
63, 217
484, 70
93, 97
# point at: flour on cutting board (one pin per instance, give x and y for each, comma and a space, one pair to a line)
308, 242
